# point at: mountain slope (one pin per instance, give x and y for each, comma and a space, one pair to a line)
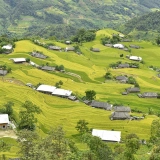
21, 16
146, 26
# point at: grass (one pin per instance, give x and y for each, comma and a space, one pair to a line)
91, 67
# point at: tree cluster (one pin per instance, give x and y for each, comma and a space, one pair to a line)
83, 35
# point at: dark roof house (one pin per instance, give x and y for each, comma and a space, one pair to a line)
47, 68
122, 79
95, 49
120, 116
148, 95
134, 46
125, 65
102, 105
3, 72
133, 90
54, 48
122, 109
38, 55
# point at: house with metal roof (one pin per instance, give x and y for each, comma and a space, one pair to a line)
18, 60
62, 92
46, 89
135, 58
4, 121
119, 46
106, 135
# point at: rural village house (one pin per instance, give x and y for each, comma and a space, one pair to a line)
122, 79
70, 49
133, 90
95, 49
4, 121
122, 109
120, 116
148, 95
134, 46
101, 105
38, 55
121, 113
135, 58
54, 91
3, 72
125, 65
119, 46
54, 48
105, 135
18, 60
47, 68
8, 48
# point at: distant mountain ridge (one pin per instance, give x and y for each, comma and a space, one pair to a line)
32, 16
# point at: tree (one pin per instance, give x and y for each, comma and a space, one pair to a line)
155, 153
90, 94
82, 126
27, 119
97, 147
8, 108
155, 131
132, 146
158, 40
108, 75
28, 60
55, 146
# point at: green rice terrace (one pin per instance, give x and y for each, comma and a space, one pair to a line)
90, 69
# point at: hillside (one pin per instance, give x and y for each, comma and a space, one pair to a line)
91, 67
31, 17
145, 27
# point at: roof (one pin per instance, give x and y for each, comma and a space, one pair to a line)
120, 46
122, 109
8, 47
72, 98
46, 88
108, 45
47, 68
95, 49
54, 47
70, 48
3, 72
125, 65
38, 55
62, 92
106, 135
133, 89
121, 78
103, 105
135, 58
4, 118
120, 115
134, 46
18, 60
149, 94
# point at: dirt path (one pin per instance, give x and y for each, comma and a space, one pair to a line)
8, 133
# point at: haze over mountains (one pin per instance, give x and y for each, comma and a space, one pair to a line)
45, 16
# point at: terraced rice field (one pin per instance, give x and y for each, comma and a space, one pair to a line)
92, 68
